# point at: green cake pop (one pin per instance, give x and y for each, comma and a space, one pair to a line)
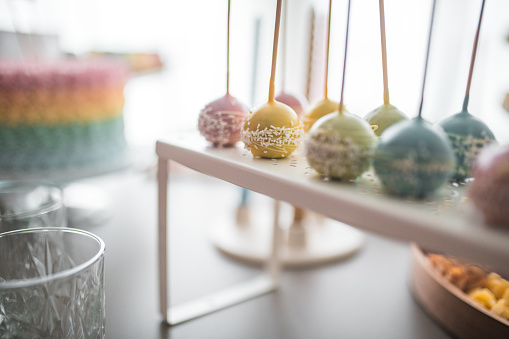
467, 134
385, 115
414, 159
340, 145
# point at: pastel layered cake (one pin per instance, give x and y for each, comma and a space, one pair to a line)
61, 115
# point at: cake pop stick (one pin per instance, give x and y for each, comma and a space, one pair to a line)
295, 102
341, 106
327, 52
243, 210
254, 73
325, 106
384, 52
472, 60
228, 50
309, 71
427, 58
385, 115
274, 52
283, 46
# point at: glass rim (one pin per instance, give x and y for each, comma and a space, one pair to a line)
45, 208
22, 283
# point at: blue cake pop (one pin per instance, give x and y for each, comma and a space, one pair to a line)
413, 159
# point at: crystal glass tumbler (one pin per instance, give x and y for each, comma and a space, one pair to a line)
51, 284
29, 204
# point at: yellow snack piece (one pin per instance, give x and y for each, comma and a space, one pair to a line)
483, 296
496, 284
506, 296
501, 308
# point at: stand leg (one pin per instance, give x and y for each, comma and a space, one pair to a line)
274, 263
162, 180
265, 283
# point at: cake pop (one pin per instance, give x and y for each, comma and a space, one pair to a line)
489, 190
324, 106
340, 145
386, 114
320, 109
273, 129
413, 159
296, 102
220, 122
468, 134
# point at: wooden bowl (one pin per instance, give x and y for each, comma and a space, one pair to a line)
449, 306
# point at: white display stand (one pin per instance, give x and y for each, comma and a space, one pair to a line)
446, 225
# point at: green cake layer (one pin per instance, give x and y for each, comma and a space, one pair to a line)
39, 147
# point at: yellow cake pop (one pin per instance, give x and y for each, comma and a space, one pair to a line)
273, 129
320, 109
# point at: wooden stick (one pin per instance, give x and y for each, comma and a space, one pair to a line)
254, 72
274, 52
427, 57
327, 51
283, 46
472, 61
228, 52
310, 55
341, 106
384, 53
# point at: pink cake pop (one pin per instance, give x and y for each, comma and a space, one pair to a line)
221, 121
490, 189
297, 103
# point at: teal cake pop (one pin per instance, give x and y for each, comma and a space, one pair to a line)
468, 135
414, 159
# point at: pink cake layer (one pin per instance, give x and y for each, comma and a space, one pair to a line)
61, 92
67, 73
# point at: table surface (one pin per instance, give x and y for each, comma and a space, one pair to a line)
364, 296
